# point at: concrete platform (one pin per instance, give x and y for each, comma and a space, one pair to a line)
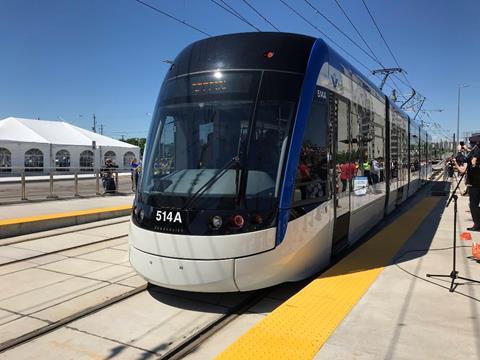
38, 292
28, 218
409, 316
376, 303
401, 314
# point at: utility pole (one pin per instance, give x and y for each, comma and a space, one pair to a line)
94, 127
460, 86
101, 129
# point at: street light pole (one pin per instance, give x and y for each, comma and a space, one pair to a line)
460, 86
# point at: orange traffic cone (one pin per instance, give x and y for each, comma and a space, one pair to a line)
476, 250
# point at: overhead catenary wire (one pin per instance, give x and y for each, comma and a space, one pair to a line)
172, 17
357, 31
234, 13
317, 11
371, 50
383, 38
334, 42
371, 56
231, 8
324, 34
260, 14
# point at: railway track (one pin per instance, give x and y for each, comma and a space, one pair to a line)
178, 351
39, 236
194, 341
62, 250
47, 237
7, 345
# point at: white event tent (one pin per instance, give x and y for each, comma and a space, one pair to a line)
39, 145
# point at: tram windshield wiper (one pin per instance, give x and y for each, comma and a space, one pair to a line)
223, 170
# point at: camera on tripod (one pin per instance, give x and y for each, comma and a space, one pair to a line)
450, 164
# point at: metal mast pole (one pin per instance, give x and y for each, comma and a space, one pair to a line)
458, 114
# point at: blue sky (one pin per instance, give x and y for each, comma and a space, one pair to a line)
65, 59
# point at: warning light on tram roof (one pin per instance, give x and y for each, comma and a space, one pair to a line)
269, 54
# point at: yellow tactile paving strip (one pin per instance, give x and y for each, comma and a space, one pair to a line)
67, 214
299, 327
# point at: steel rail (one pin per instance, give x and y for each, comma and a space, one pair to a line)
9, 344
5, 242
61, 250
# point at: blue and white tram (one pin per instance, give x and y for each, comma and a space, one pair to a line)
267, 153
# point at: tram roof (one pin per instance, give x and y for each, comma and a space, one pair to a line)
248, 51
245, 51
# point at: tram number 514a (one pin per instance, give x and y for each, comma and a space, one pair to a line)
168, 216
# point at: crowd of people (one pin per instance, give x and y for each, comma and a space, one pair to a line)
373, 170
312, 172
313, 167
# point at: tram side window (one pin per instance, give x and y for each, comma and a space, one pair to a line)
311, 184
394, 153
368, 146
414, 152
403, 154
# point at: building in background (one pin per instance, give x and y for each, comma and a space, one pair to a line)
39, 146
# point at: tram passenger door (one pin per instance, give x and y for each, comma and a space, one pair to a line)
343, 169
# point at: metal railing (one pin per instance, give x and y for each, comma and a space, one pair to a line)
22, 184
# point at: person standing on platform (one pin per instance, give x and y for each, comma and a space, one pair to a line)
344, 172
473, 174
375, 171
461, 157
347, 172
367, 167
107, 173
135, 167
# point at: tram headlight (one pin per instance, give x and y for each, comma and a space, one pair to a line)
216, 222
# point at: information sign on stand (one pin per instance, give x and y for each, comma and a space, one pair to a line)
360, 185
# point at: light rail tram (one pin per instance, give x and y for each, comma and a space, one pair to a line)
267, 153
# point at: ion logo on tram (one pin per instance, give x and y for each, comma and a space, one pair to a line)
258, 168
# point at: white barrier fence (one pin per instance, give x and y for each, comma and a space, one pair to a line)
54, 183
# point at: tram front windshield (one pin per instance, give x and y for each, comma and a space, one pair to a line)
202, 122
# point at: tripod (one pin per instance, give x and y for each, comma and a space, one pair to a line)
454, 274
